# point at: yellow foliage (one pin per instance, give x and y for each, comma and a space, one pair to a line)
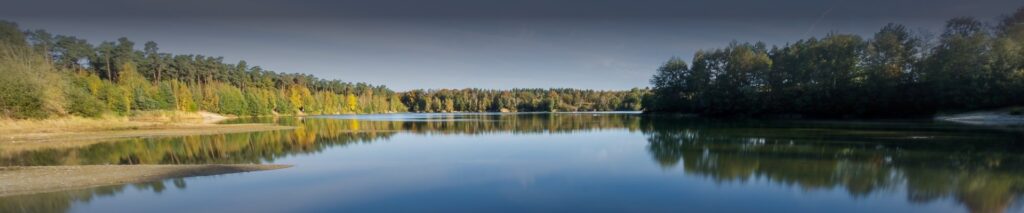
351, 102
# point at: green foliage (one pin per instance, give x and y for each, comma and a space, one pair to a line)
258, 102
80, 101
29, 88
673, 85
11, 36
46, 77
892, 74
231, 100
117, 99
521, 100
20, 97
164, 96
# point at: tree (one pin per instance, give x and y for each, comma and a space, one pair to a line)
102, 60
889, 63
43, 42
10, 35
959, 66
673, 86
70, 50
155, 59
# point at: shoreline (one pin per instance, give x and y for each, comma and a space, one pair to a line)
997, 118
41, 179
22, 135
143, 124
161, 130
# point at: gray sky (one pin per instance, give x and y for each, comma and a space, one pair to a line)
407, 44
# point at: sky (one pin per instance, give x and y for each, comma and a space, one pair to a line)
414, 44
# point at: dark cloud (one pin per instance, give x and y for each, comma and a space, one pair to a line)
749, 10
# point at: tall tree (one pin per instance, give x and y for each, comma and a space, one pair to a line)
959, 65
156, 60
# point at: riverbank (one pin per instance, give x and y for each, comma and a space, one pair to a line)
23, 135
1001, 117
41, 179
146, 124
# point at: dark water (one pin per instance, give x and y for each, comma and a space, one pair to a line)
559, 163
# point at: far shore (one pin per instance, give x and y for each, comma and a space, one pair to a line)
42, 179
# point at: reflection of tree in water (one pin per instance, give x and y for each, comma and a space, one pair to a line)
979, 169
982, 170
523, 123
310, 136
62, 201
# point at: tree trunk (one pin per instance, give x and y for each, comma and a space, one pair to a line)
159, 68
109, 75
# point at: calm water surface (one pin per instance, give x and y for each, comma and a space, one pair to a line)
586, 162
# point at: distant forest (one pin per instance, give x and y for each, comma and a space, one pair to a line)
523, 100
44, 75
896, 73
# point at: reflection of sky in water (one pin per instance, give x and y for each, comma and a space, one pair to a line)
600, 171
462, 116
526, 163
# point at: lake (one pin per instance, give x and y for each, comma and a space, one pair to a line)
558, 162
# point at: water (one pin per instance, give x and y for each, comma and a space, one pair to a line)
560, 162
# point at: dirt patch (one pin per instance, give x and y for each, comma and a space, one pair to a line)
40, 179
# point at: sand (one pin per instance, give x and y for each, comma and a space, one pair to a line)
148, 131
41, 179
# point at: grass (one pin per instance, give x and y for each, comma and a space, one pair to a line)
142, 119
1017, 111
64, 124
165, 116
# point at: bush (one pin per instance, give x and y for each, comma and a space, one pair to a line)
230, 100
20, 98
82, 103
26, 85
165, 96
116, 98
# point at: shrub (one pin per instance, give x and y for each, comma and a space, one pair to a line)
26, 84
81, 102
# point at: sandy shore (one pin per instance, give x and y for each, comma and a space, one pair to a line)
21, 135
985, 118
40, 179
140, 131
155, 123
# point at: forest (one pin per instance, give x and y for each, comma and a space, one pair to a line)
523, 100
971, 65
44, 75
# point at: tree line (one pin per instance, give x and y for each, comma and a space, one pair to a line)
522, 100
896, 72
46, 75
